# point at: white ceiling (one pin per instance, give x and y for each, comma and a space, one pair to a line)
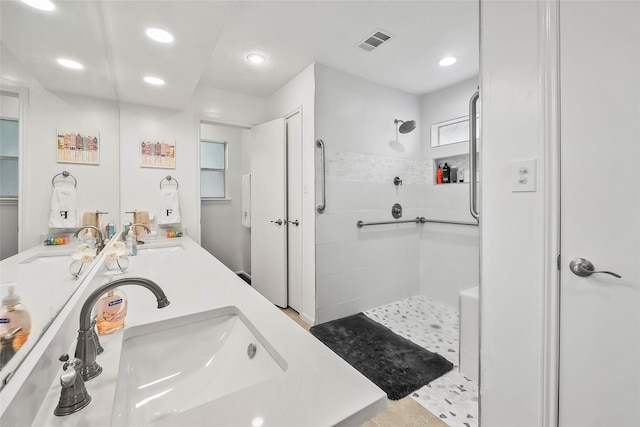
213, 39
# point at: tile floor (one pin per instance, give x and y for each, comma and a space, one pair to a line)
435, 326
450, 400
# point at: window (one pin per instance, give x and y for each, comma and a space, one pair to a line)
8, 158
452, 131
213, 165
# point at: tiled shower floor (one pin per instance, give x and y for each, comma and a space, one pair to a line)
435, 326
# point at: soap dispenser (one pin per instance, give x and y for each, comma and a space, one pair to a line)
111, 311
131, 242
13, 315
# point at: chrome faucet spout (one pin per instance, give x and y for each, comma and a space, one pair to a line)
139, 224
99, 236
86, 348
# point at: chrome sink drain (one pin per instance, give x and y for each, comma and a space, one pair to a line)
251, 350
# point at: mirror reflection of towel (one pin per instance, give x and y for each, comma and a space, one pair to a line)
169, 206
141, 217
90, 218
63, 211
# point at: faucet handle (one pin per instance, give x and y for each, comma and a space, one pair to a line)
73, 395
68, 377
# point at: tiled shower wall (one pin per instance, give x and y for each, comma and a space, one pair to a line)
360, 268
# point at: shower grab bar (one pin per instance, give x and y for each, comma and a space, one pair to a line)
320, 208
417, 220
473, 167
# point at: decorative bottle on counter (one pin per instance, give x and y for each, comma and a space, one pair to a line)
13, 315
111, 310
445, 174
439, 175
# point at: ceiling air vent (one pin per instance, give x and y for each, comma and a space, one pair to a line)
374, 40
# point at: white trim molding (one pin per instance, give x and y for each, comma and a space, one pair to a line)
549, 53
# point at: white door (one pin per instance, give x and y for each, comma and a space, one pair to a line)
600, 213
268, 211
294, 210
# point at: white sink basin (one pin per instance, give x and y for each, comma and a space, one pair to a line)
148, 250
46, 258
172, 366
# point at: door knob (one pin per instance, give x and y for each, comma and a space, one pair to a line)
279, 222
584, 268
296, 222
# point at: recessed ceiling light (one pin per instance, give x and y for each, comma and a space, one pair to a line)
445, 62
40, 4
70, 63
159, 35
154, 81
256, 58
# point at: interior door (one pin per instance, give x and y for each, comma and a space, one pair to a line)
294, 210
600, 214
268, 211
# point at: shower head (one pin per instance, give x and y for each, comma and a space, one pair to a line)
405, 127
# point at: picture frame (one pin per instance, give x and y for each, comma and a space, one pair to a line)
157, 153
78, 146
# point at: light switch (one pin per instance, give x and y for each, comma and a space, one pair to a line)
523, 176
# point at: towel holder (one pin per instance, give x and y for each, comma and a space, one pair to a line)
169, 178
64, 174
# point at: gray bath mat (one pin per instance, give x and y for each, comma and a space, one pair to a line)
393, 363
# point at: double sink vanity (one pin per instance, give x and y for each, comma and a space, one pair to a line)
219, 354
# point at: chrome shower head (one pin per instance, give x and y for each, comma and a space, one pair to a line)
405, 127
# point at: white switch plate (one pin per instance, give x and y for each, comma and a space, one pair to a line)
523, 176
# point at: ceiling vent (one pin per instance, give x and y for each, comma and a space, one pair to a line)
374, 40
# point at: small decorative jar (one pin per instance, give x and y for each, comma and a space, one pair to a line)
81, 260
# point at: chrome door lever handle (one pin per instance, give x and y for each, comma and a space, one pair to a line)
584, 268
296, 222
279, 222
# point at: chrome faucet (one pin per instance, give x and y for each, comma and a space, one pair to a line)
99, 238
86, 348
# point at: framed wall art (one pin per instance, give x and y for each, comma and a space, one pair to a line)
157, 153
77, 146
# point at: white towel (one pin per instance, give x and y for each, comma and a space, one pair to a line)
169, 206
64, 211
246, 201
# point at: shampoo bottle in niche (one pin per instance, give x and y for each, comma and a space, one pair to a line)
446, 174
439, 175
111, 310
13, 315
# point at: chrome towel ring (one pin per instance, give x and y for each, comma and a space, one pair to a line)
64, 174
169, 179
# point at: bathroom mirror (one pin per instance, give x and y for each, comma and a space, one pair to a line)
74, 100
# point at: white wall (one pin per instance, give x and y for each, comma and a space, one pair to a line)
512, 224
222, 233
449, 254
97, 184
299, 93
358, 269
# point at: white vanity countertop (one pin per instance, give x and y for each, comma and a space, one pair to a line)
317, 389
